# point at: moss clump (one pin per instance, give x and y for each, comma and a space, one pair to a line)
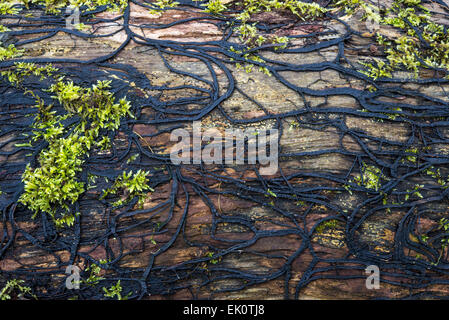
10, 52
248, 33
8, 8
17, 286
412, 154
328, 224
3, 28
22, 70
423, 43
162, 5
370, 177
435, 173
303, 10
115, 291
210, 255
94, 274
377, 69
133, 185
53, 186
54, 182
414, 192
214, 7
56, 6
248, 66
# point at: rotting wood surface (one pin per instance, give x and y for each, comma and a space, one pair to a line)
378, 233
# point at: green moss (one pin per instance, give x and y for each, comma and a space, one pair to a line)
370, 178
56, 6
10, 52
134, 185
55, 181
3, 29
115, 291
17, 286
8, 8
53, 186
249, 34
214, 7
349, 6
21, 70
414, 192
377, 69
413, 152
249, 66
162, 5
328, 224
271, 193
393, 116
436, 174
405, 52
303, 10
94, 274
210, 255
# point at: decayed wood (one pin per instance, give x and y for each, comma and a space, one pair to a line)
276, 98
